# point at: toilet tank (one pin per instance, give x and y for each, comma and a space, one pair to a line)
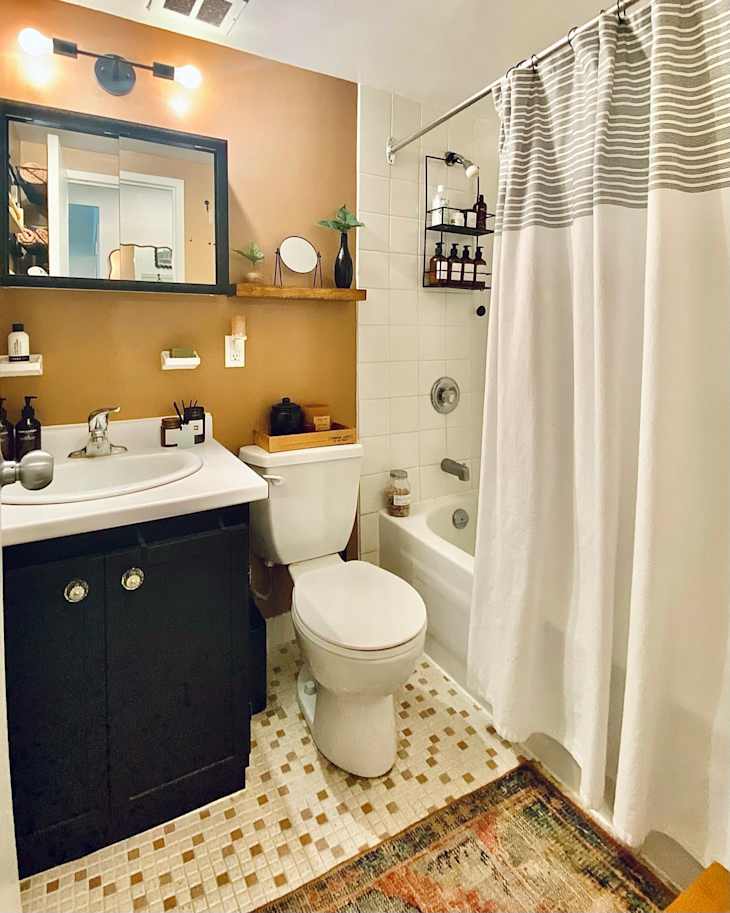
312, 501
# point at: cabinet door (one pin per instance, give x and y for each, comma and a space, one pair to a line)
54, 654
178, 704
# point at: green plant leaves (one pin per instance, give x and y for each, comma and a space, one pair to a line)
344, 220
253, 253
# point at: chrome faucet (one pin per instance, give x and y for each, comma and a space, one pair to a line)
461, 470
99, 443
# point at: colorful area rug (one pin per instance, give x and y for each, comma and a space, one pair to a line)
517, 844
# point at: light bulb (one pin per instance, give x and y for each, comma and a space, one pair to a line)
35, 43
188, 76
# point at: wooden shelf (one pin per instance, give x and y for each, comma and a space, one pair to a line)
300, 294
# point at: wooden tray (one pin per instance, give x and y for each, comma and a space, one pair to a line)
340, 434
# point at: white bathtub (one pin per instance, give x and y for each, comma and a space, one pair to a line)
435, 557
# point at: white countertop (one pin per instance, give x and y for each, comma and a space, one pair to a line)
222, 481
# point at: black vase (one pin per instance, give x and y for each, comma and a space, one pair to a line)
343, 264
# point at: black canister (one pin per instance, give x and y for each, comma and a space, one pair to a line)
286, 417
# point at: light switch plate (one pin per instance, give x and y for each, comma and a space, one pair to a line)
235, 352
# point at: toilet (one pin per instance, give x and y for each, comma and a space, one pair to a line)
360, 628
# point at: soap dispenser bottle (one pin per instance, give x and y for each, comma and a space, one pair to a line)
27, 430
7, 434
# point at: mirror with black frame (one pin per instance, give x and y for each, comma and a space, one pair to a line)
95, 203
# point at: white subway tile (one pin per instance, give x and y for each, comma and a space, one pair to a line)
404, 414
374, 194
404, 449
404, 271
376, 453
372, 269
460, 370
428, 373
432, 446
458, 308
428, 417
461, 417
404, 198
372, 493
373, 380
403, 343
404, 234
375, 310
404, 307
373, 417
374, 235
372, 343
431, 308
458, 342
458, 443
431, 343
375, 109
369, 533
403, 378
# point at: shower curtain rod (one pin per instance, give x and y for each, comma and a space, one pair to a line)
393, 145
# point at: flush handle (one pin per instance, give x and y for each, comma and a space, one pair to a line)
76, 591
274, 480
133, 579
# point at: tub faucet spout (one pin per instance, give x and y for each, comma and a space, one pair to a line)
460, 470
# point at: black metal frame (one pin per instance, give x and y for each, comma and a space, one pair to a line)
103, 126
449, 230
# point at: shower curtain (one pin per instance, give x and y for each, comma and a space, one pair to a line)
601, 608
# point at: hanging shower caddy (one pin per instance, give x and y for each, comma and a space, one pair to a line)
445, 228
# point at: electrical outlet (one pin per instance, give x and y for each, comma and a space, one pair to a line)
235, 352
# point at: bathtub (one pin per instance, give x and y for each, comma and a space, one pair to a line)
435, 557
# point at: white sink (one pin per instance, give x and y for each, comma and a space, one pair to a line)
93, 478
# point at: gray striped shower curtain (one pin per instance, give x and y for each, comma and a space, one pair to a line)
601, 610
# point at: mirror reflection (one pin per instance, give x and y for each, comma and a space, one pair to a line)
101, 207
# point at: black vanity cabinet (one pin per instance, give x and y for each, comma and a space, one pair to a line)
127, 677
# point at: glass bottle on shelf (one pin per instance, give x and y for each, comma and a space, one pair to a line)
438, 206
467, 265
455, 265
438, 270
481, 208
481, 274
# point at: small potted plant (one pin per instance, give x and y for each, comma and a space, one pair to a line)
255, 255
344, 221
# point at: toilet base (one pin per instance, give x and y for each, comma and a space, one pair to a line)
355, 732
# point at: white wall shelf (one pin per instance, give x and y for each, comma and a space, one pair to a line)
178, 364
21, 368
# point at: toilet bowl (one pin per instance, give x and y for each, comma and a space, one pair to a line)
359, 627
360, 630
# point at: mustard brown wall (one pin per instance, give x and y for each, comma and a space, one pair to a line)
292, 161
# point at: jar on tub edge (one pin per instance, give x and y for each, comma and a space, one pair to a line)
398, 493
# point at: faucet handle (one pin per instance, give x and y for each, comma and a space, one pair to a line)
99, 418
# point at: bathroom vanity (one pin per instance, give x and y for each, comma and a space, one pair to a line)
129, 650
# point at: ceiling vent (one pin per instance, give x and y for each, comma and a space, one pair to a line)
206, 18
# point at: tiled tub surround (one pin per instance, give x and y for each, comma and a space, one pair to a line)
409, 336
299, 815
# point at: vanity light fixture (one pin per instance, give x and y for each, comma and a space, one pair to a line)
454, 158
115, 74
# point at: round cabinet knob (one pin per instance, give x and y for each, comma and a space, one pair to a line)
133, 578
76, 591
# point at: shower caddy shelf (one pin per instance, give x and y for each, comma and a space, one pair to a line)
448, 229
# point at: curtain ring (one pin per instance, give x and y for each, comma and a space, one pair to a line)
534, 60
515, 66
570, 35
620, 11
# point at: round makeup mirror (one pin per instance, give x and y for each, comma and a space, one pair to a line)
297, 254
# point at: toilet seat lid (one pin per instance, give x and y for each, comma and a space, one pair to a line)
359, 606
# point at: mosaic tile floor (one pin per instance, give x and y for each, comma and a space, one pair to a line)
298, 816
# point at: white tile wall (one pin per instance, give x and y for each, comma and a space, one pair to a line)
409, 336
